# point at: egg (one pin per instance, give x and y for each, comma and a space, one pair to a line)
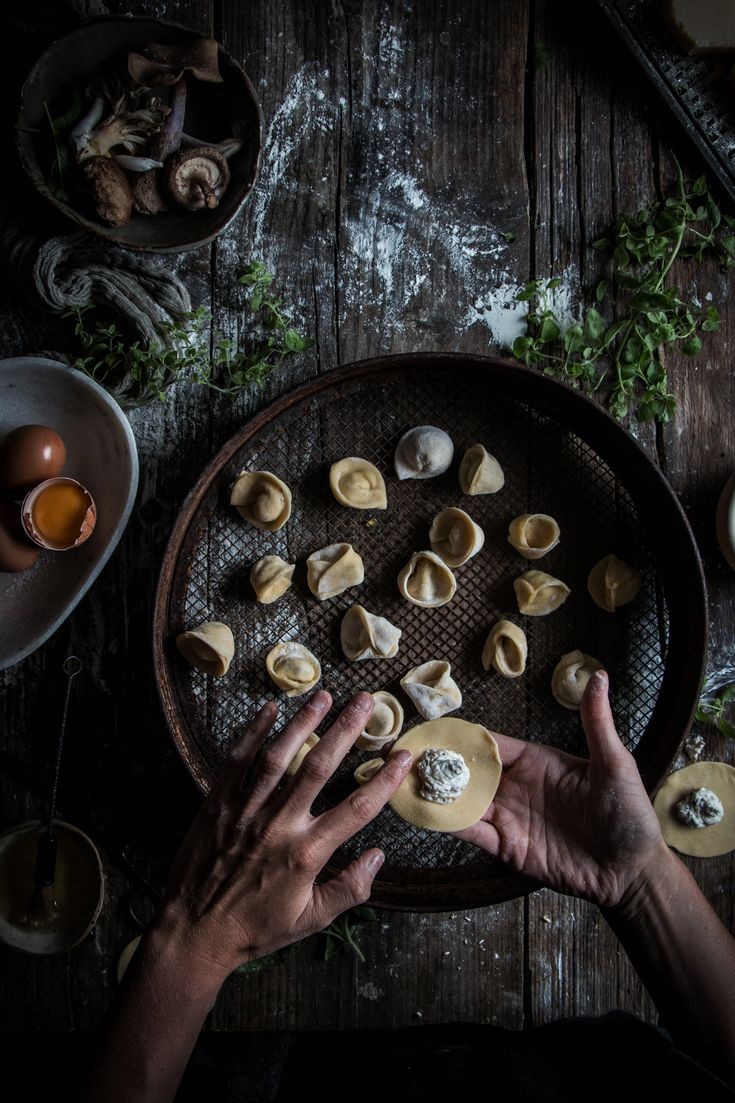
28, 455
17, 553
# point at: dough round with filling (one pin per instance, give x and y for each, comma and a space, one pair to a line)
262, 499
478, 748
699, 842
298, 758
423, 452
332, 570
539, 593
208, 648
293, 668
479, 472
570, 678
358, 484
612, 583
533, 534
432, 689
426, 580
367, 636
270, 577
506, 649
385, 723
455, 537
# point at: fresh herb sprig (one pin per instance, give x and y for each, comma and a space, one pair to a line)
711, 710
627, 353
136, 372
342, 930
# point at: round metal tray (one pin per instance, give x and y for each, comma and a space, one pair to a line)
561, 455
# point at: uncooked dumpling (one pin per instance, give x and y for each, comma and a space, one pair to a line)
423, 452
270, 577
506, 648
332, 570
570, 678
612, 583
455, 537
367, 636
293, 668
426, 580
478, 750
306, 746
368, 769
385, 723
358, 484
539, 593
479, 472
262, 499
209, 647
432, 689
713, 838
533, 534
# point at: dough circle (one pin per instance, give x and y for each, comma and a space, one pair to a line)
699, 842
480, 751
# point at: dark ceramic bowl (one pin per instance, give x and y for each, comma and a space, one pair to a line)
214, 111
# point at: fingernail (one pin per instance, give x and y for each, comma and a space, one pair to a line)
375, 861
402, 758
321, 700
363, 702
598, 682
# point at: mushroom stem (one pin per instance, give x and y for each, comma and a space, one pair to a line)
81, 131
147, 195
228, 147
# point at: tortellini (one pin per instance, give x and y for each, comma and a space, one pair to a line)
533, 534
332, 570
539, 593
455, 537
293, 668
570, 678
367, 636
358, 484
423, 452
612, 583
295, 763
385, 723
368, 769
426, 580
270, 577
209, 647
479, 472
432, 689
506, 648
262, 499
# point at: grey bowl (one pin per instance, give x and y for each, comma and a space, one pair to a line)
71, 61
101, 454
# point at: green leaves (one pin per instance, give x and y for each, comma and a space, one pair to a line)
137, 373
342, 930
626, 353
711, 711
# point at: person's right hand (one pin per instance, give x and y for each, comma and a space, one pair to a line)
585, 827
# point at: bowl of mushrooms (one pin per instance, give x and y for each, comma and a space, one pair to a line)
144, 132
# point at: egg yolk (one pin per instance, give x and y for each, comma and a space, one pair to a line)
59, 511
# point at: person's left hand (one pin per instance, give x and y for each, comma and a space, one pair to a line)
243, 882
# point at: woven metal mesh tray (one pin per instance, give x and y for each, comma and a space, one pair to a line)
699, 90
561, 455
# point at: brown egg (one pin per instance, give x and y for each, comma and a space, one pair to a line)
17, 553
28, 455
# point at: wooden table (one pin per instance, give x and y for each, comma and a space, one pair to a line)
404, 139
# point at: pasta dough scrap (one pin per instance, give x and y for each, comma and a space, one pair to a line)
385, 723
358, 484
423, 452
432, 689
368, 769
533, 534
478, 748
262, 499
612, 583
506, 649
293, 668
209, 647
455, 537
479, 472
570, 678
539, 593
270, 577
295, 763
332, 570
426, 580
367, 636
699, 842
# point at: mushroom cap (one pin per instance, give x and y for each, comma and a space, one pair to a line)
113, 196
197, 177
159, 64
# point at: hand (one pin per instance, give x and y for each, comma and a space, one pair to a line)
242, 884
583, 827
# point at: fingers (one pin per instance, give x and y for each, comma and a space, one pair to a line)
335, 826
482, 834
348, 889
605, 746
242, 754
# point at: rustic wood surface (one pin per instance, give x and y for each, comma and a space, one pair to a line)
403, 140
